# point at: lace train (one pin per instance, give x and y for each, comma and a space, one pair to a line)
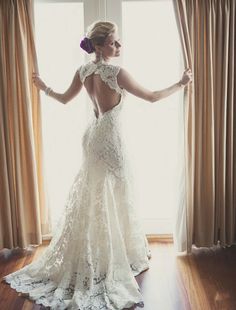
90, 270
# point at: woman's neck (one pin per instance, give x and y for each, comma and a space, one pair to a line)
103, 59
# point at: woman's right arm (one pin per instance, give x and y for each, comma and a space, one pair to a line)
126, 81
65, 97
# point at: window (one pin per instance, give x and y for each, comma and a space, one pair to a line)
154, 132
152, 54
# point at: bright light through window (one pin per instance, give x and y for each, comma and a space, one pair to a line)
154, 131
59, 28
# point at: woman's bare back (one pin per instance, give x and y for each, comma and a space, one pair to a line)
102, 96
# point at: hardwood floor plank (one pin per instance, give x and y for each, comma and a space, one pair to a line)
204, 280
193, 285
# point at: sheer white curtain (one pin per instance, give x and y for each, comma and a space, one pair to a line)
59, 29
155, 133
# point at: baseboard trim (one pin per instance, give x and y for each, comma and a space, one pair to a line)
168, 238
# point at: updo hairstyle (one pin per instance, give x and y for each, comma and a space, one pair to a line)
97, 34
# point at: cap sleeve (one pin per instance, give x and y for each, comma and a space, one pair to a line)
80, 73
116, 70
86, 70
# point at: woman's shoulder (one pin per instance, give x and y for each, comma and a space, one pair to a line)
86, 69
85, 65
112, 68
106, 69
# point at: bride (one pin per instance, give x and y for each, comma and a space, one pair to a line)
98, 246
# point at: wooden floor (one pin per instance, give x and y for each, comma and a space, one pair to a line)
204, 280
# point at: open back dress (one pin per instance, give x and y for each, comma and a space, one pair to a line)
98, 246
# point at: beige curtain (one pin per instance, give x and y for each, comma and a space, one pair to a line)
23, 213
207, 32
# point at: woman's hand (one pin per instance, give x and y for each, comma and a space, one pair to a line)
187, 77
38, 82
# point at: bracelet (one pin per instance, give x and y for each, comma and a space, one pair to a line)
48, 91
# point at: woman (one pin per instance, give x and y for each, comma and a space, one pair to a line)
98, 246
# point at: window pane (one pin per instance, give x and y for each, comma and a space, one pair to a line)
59, 28
152, 54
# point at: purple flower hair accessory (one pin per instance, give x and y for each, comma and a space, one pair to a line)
86, 45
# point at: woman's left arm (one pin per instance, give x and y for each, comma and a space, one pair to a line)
65, 97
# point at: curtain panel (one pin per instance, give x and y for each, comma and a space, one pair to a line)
207, 34
24, 216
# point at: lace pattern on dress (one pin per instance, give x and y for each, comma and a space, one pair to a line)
72, 272
107, 72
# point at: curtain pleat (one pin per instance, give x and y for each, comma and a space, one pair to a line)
183, 221
24, 213
207, 33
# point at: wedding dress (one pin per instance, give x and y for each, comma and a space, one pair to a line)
99, 245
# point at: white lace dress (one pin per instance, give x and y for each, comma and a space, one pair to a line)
99, 245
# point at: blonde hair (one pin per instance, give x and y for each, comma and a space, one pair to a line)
99, 31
